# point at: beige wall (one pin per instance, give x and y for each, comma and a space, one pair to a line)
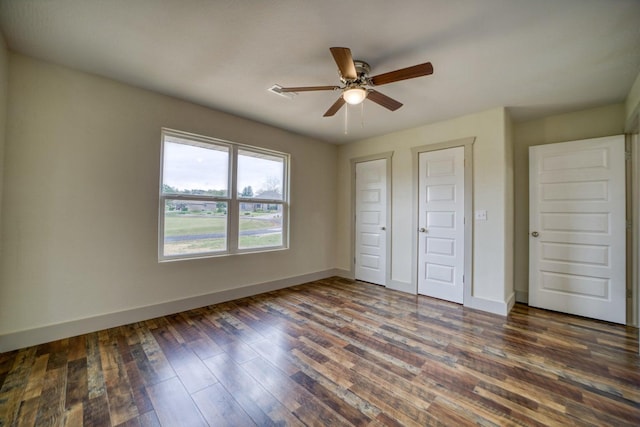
632, 107
491, 189
81, 200
593, 123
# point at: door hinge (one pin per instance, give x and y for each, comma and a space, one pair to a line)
629, 293
463, 278
629, 224
627, 155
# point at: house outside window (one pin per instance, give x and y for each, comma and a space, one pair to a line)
220, 198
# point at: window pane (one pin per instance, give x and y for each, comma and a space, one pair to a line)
195, 168
260, 175
260, 225
194, 227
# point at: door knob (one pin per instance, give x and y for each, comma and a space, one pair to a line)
383, 228
422, 230
535, 234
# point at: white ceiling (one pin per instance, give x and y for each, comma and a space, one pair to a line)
537, 57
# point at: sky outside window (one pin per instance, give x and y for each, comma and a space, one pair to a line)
192, 167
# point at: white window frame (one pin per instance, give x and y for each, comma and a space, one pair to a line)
232, 199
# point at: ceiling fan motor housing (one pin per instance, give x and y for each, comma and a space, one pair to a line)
362, 70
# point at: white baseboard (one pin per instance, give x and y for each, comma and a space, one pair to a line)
407, 287
492, 306
511, 301
35, 336
346, 274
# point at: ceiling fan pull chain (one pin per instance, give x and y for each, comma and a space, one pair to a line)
346, 120
362, 115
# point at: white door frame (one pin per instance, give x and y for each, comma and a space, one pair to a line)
467, 143
388, 156
635, 227
631, 178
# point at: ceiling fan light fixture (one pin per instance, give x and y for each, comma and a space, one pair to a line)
354, 95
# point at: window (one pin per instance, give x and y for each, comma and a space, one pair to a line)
219, 198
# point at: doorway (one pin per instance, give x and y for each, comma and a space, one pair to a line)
441, 222
577, 252
371, 220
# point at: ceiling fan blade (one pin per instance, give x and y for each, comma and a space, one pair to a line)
335, 107
342, 56
403, 74
384, 100
308, 88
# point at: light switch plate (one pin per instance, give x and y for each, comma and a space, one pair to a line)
481, 215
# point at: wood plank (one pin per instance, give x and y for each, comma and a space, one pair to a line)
74, 416
257, 320
173, 405
6, 363
220, 409
207, 324
149, 419
95, 379
153, 363
36, 377
140, 396
332, 400
239, 351
237, 328
263, 408
521, 408
95, 411
77, 384
189, 368
297, 399
276, 354
28, 412
77, 348
364, 353
15, 383
119, 394
204, 347
51, 409
332, 376
57, 351
184, 326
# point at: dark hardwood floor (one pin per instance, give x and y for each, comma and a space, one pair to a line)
328, 353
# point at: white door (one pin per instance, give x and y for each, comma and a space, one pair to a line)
371, 221
441, 224
577, 228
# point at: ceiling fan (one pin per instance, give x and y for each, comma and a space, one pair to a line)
354, 75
